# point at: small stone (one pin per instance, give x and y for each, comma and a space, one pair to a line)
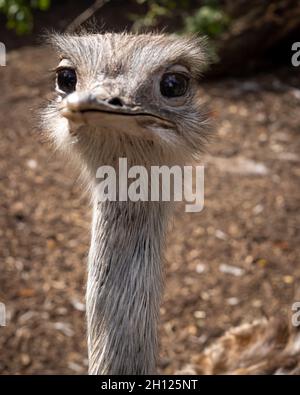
259, 208
249, 259
51, 244
295, 93
188, 370
193, 254
233, 109
229, 269
233, 301
78, 305
234, 230
62, 311
263, 137
200, 268
257, 303
192, 330
205, 295
17, 208
65, 328
32, 164
162, 311
25, 359
75, 367
288, 279
199, 314
220, 234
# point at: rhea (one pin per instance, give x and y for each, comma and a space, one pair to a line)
135, 97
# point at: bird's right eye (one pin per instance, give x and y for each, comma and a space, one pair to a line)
66, 80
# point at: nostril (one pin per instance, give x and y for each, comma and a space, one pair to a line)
115, 101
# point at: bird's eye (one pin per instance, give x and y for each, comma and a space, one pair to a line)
173, 84
66, 80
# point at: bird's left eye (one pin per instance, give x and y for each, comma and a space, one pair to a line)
66, 80
173, 84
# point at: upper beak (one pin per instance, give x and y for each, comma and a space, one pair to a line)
80, 103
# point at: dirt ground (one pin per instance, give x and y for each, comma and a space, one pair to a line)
235, 261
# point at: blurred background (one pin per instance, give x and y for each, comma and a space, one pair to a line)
234, 262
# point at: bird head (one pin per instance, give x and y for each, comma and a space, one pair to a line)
127, 93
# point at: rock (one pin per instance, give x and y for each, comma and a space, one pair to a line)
234, 270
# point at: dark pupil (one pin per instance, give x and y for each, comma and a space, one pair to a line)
173, 85
66, 80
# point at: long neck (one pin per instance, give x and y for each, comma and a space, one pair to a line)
124, 286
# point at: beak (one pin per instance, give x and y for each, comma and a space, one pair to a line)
111, 113
83, 103
77, 104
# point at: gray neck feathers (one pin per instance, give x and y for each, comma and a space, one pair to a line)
124, 265
124, 286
